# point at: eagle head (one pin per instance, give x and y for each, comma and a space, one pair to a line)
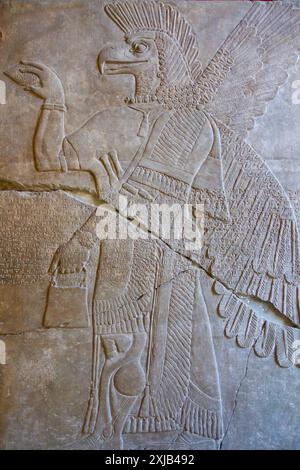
159, 49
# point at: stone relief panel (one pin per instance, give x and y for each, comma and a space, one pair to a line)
136, 338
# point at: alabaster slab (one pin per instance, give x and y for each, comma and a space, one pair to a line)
149, 237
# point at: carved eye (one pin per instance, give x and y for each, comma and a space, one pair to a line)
138, 47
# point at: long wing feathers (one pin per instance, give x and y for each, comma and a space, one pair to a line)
256, 253
252, 65
249, 330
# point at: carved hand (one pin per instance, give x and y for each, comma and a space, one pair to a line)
112, 168
115, 174
50, 87
70, 257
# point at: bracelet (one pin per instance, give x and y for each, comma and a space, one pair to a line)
54, 106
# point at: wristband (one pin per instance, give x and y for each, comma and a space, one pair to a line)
54, 107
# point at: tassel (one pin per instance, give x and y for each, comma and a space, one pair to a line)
144, 127
145, 405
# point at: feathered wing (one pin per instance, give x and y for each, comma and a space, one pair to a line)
256, 252
251, 330
251, 65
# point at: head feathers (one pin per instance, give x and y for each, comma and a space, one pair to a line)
138, 16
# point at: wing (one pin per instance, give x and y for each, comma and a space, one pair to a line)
255, 252
251, 330
252, 64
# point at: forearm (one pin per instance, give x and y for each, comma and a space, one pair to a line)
49, 137
72, 256
87, 235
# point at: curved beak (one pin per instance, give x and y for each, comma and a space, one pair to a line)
116, 59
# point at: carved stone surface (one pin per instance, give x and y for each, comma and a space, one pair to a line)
148, 340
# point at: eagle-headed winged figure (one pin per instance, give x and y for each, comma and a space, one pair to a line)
180, 138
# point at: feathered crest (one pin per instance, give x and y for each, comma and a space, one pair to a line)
136, 16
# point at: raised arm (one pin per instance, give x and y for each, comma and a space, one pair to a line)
50, 131
53, 150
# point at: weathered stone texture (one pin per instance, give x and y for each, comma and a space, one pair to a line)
149, 341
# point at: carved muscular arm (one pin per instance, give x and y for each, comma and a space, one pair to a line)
49, 137
53, 151
50, 131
